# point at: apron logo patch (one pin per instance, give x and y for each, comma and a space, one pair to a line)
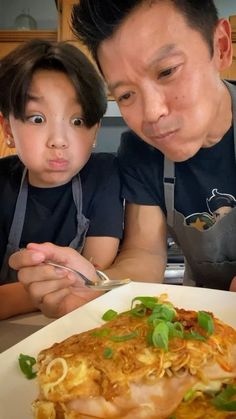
219, 205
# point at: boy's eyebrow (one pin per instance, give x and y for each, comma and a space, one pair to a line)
31, 96
161, 54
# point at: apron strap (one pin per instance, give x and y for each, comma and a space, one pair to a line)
19, 215
82, 222
16, 227
169, 190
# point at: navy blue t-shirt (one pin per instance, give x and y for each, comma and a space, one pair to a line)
51, 212
211, 171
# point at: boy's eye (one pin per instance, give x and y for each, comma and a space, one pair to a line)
36, 119
77, 121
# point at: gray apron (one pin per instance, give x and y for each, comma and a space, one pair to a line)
210, 255
7, 274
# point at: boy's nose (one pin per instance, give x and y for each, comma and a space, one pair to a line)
56, 144
58, 139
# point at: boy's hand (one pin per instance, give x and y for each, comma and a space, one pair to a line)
53, 290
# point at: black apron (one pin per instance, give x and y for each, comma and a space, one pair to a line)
8, 274
210, 255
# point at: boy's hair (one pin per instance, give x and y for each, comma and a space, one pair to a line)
94, 21
18, 67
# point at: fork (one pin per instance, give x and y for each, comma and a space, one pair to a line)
104, 283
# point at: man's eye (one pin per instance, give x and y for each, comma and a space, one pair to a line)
36, 119
167, 72
77, 121
124, 97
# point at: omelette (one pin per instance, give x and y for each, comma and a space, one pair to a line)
153, 361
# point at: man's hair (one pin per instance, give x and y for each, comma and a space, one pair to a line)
18, 67
94, 21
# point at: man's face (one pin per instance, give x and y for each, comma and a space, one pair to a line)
165, 81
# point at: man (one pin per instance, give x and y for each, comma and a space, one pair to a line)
162, 61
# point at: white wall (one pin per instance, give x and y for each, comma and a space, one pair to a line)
226, 8
43, 11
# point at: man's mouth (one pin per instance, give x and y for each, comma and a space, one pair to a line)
162, 135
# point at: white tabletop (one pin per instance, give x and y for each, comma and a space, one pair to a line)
17, 328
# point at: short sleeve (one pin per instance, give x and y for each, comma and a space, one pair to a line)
141, 167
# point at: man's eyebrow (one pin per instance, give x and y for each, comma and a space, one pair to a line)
161, 54
164, 52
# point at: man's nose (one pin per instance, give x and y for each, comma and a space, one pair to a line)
154, 105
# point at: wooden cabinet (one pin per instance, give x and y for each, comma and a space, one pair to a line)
65, 33
230, 73
64, 25
10, 39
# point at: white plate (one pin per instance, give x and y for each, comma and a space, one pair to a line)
17, 393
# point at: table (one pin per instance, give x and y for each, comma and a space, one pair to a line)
17, 328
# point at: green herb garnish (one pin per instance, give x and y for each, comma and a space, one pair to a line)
162, 311
108, 353
124, 337
205, 320
148, 302
176, 329
160, 335
189, 394
26, 363
100, 333
194, 335
223, 400
109, 315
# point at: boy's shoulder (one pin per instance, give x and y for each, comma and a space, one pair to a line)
10, 165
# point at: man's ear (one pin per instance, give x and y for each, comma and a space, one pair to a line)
7, 132
223, 49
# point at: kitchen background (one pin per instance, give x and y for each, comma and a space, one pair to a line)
44, 14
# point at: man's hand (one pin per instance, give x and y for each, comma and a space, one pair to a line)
233, 284
53, 290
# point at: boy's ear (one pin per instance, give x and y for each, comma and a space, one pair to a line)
223, 49
7, 132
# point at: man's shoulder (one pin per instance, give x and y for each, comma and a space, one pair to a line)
133, 147
101, 165
101, 161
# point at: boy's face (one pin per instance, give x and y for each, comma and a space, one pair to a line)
166, 84
52, 142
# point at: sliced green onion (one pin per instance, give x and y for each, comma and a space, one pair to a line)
160, 335
194, 335
162, 311
108, 353
189, 395
138, 311
176, 329
124, 337
223, 400
148, 302
205, 320
26, 364
101, 333
109, 315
